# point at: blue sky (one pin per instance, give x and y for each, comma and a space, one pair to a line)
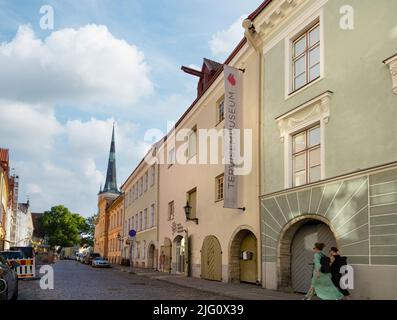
105, 61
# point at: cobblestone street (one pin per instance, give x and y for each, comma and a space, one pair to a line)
75, 281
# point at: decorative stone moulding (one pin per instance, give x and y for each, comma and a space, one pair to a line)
392, 64
276, 13
317, 109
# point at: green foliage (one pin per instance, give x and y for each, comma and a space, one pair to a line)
88, 236
61, 227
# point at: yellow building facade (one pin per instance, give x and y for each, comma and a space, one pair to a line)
141, 215
4, 195
115, 214
216, 243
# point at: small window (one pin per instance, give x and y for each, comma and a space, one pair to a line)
219, 188
192, 199
153, 175
145, 221
140, 186
220, 110
192, 143
140, 221
152, 217
306, 57
171, 210
146, 183
171, 157
306, 156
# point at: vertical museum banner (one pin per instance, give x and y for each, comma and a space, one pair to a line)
233, 109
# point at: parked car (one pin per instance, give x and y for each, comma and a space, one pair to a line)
12, 255
100, 262
89, 257
27, 252
8, 280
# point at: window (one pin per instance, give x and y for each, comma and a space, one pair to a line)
306, 57
145, 222
146, 183
152, 217
306, 156
132, 194
171, 157
153, 175
132, 222
219, 188
140, 221
136, 222
140, 186
192, 199
220, 110
171, 210
129, 224
136, 191
192, 143
144, 249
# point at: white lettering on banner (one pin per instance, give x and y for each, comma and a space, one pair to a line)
233, 106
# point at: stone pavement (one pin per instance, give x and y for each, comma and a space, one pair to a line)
240, 291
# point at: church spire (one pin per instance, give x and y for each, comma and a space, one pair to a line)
111, 183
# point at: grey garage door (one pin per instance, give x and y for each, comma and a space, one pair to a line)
302, 253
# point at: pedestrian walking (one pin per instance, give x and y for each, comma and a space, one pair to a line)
322, 284
337, 262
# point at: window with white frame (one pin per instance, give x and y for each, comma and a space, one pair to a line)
153, 175
306, 156
152, 217
145, 222
220, 110
144, 249
171, 210
306, 56
133, 222
171, 157
136, 222
219, 187
146, 183
192, 143
140, 221
140, 186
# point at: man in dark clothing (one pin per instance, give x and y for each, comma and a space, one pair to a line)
336, 264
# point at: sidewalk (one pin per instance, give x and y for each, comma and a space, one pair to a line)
240, 291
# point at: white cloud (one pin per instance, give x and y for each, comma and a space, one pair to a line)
223, 42
28, 129
78, 66
33, 188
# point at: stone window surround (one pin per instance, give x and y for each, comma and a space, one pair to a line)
301, 25
392, 64
317, 110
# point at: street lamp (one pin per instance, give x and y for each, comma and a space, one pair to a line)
188, 210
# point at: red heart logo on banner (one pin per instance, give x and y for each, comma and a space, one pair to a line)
231, 79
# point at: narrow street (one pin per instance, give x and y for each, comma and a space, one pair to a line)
75, 281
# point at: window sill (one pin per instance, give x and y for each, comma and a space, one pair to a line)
306, 86
219, 200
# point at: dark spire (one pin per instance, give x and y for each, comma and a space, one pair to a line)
111, 183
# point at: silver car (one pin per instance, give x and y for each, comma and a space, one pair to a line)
100, 263
8, 280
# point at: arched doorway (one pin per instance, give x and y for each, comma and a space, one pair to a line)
151, 257
295, 252
179, 245
243, 265
211, 259
165, 255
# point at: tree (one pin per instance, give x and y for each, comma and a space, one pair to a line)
88, 236
61, 227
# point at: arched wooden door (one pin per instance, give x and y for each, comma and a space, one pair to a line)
211, 259
302, 252
249, 262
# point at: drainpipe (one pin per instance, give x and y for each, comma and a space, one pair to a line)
254, 39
